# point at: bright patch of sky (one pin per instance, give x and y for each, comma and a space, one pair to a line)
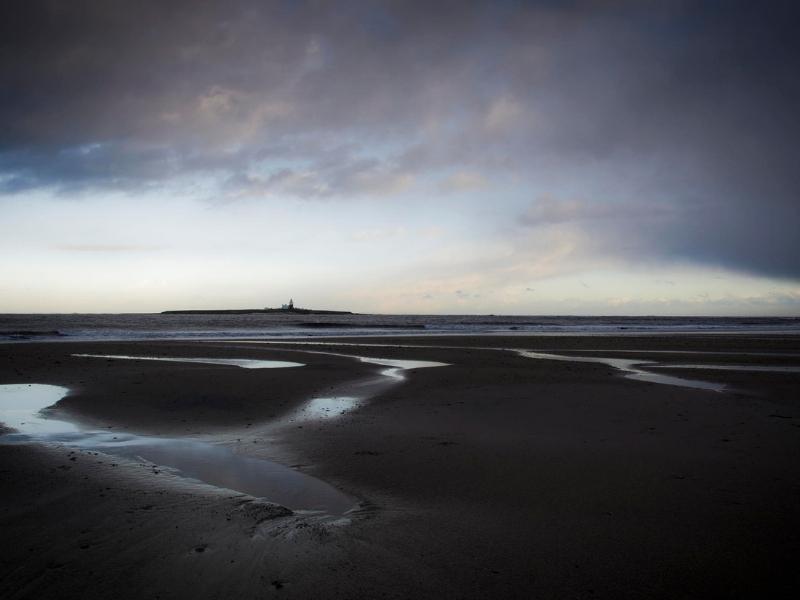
152, 253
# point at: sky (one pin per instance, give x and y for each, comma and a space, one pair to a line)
576, 157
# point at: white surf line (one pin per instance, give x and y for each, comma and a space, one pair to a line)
244, 363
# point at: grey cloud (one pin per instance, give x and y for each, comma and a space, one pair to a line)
345, 177
117, 165
548, 211
683, 112
463, 181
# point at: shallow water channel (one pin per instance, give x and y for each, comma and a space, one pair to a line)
244, 363
352, 395
630, 370
24, 408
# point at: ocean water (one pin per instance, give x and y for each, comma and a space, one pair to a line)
25, 327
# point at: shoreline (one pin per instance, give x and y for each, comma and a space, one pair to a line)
496, 475
157, 326
390, 332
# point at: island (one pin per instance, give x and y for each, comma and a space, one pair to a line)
285, 309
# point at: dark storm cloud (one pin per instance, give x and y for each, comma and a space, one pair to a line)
677, 120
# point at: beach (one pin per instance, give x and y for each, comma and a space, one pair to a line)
487, 474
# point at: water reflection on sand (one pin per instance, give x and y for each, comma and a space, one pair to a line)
356, 393
244, 363
630, 369
22, 407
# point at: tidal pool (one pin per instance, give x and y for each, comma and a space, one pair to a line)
397, 366
244, 363
23, 407
630, 370
354, 394
759, 368
326, 408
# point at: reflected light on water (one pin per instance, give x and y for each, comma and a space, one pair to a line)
244, 363
631, 370
21, 406
758, 368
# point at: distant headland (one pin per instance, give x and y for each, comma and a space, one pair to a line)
285, 309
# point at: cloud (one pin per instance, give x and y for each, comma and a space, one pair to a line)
504, 114
465, 295
722, 232
463, 181
341, 178
378, 234
683, 113
548, 211
107, 248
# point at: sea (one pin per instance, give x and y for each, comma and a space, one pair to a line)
87, 327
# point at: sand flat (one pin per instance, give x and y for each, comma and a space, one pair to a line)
493, 476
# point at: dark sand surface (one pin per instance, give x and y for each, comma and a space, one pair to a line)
498, 476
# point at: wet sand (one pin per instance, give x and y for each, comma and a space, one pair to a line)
495, 476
